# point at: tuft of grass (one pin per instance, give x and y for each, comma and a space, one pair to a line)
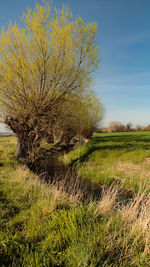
108, 201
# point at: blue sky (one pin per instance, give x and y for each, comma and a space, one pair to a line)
122, 80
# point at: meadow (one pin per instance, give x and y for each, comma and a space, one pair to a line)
41, 225
122, 158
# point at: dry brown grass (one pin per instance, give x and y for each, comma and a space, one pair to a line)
52, 193
107, 202
136, 219
132, 169
132, 223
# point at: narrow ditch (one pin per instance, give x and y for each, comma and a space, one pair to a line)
52, 171
64, 177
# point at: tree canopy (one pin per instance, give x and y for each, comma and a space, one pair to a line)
79, 117
43, 65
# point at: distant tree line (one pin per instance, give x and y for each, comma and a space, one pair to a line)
116, 126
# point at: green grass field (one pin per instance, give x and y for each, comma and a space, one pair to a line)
42, 226
114, 157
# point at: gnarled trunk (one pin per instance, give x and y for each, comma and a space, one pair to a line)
26, 149
28, 138
21, 149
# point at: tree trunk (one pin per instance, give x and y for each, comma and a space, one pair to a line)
28, 135
26, 150
21, 150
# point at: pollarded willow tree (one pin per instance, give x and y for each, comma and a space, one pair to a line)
79, 117
42, 65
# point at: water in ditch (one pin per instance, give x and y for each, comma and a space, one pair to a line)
55, 172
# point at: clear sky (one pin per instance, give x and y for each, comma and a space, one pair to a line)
122, 80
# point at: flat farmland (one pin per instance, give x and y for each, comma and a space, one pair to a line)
114, 157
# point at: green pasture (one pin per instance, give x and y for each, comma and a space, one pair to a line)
114, 157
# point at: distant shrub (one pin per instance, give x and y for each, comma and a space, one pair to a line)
139, 128
101, 130
147, 128
115, 126
129, 126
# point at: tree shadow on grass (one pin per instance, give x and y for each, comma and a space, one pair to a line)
102, 143
121, 138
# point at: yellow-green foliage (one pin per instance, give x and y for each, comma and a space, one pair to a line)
79, 116
51, 56
43, 65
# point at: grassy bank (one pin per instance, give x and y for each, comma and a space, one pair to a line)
114, 157
42, 226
